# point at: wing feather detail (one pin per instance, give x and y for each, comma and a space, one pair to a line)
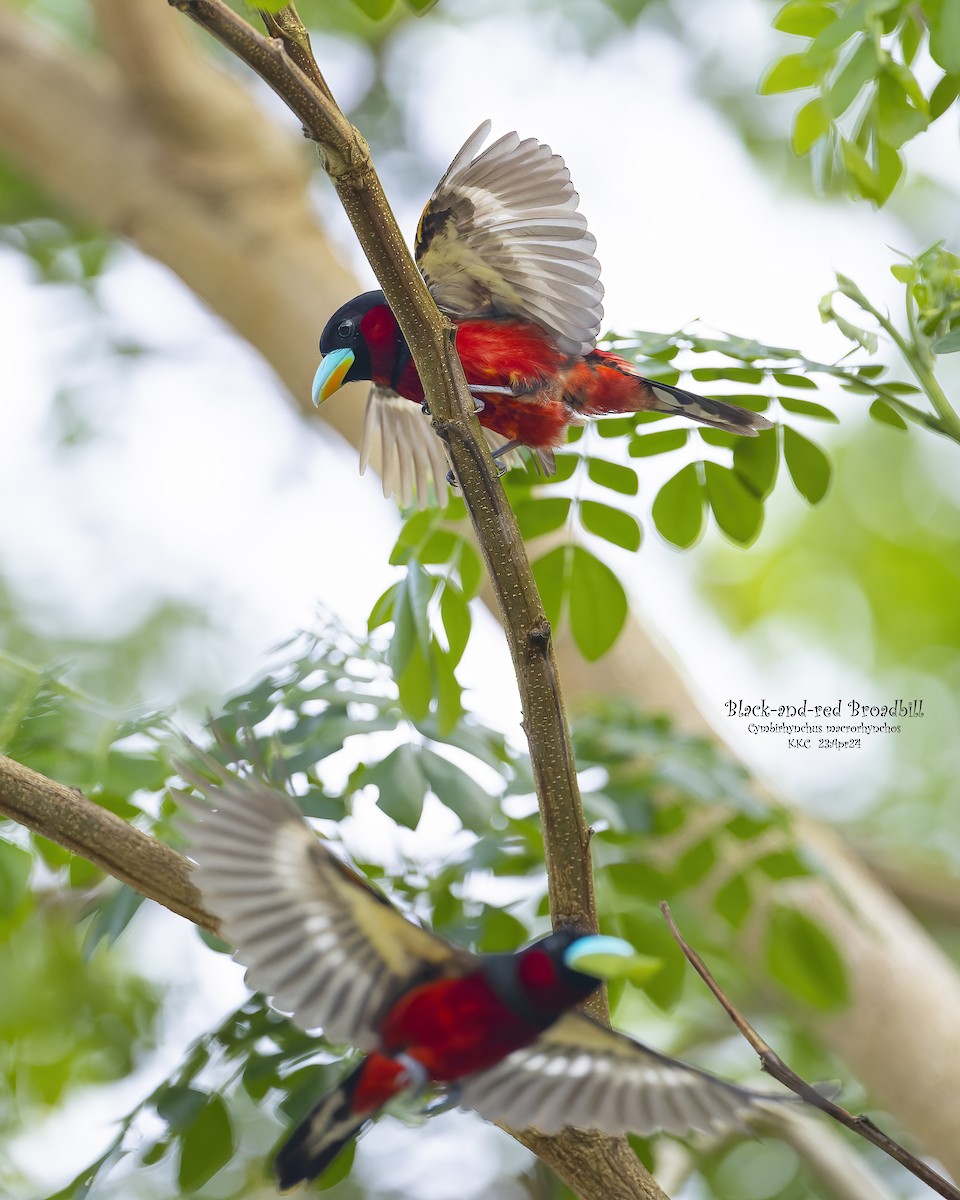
501, 234
312, 933
581, 1074
414, 461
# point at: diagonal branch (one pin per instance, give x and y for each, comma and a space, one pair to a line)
67, 817
430, 339
773, 1064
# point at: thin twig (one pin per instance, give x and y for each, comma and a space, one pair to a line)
773, 1064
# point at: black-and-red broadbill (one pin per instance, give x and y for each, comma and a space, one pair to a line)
507, 256
501, 1031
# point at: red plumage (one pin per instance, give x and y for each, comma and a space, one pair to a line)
509, 259
500, 1032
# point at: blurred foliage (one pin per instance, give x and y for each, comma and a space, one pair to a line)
872, 578
859, 56
72, 1012
674, 817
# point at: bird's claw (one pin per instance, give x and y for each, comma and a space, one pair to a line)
425, 408
450, 1099
452, 479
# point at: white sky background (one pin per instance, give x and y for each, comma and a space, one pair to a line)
200, 439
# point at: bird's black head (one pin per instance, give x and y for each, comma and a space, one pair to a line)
536, 982
355, 340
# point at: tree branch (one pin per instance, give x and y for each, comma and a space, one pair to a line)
773, 1064
67, 817
431, 343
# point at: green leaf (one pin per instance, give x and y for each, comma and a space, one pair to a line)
866, 179
541, 514
420, 6
612, 524
678, 508
737, 374
598, 604
887, 415
376, 9
738, 511
112, 917
447, 691
415, 683
802, 958
501, 932
179, 1106
806, 18
806, 408
401, 783
550, 572
861, 66
471, 570
339, 1169
945, 34
647, 932
755, 461
611, 427
643, 444
718, 437
890, 168
440, 546
455, 615
15, 865
947, 343
792, 72
782, 864
206, 1146
808, 465
615, 476
732, 901
943, 95
898, 119
791, 380
810, 124
638, 879
458, 791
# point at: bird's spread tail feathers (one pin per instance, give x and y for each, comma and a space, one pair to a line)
675, 400
321, 1135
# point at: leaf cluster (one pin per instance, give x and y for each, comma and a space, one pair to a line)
859, 58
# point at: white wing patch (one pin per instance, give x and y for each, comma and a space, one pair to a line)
583, 1075
312, 934
501, 235
400, 444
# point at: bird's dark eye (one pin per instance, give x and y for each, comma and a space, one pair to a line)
345, 329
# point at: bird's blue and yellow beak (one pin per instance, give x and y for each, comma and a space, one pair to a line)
610, 958
331, 374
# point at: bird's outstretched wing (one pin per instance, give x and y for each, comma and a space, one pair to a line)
400, 445
313, 934
402, 448
581, 1074
501, 235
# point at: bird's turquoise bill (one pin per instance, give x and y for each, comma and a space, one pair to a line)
331, 374
611, 958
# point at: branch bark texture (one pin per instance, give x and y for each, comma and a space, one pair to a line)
152, 141
67, 817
